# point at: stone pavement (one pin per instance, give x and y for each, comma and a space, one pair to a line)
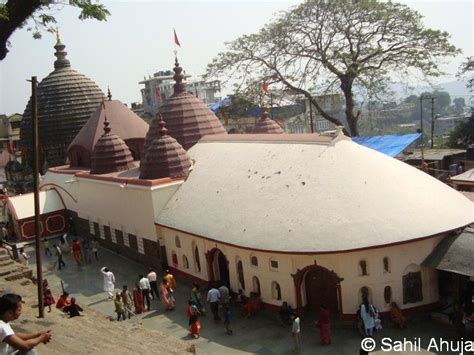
261, 334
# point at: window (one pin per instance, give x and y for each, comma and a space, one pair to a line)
174, 259
177, 242
363, 268
386, 265
387, 294
412, 284
197, 261
254, 261
276, 291
185, 262
240, 274
256, 285
274, 264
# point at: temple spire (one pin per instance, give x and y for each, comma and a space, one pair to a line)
162, 130
180, 86
107, 128
109, 94
61, 61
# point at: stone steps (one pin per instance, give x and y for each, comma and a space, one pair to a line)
10, 270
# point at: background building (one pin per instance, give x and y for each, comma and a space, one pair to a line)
159, 87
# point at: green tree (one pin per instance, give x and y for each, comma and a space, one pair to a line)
466, 72
463, 134
459, 104
15, 13
322, 46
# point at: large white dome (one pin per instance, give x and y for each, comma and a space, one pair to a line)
302, 193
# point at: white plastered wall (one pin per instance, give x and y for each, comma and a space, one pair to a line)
345, 265
127, 207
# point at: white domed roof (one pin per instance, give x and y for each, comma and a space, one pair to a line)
301, 193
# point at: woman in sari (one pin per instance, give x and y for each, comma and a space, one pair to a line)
397, 316
166, 296
196, 298
138, 300
324, 325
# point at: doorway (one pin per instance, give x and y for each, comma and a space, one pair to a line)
220, 268
321, 289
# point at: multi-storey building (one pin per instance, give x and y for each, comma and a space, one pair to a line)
159, 87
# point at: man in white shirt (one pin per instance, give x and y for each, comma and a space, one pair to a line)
153, 284
11, 342
144, 285
213, 297
109, 282
295, 330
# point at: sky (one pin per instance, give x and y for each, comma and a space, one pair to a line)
137, 41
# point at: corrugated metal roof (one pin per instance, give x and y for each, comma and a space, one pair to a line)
454, 254
465, 176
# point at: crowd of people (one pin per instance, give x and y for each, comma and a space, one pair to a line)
83, 251
149, 287
139, 300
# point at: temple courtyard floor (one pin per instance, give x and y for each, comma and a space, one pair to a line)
261, 334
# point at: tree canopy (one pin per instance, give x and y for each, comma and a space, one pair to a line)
322, 46
15, 13
462, 136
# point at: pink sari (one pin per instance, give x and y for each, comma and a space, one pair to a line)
166, 297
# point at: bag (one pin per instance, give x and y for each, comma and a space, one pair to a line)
194, 310
371, 311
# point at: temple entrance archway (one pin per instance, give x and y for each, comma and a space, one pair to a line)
319, 286
218, 266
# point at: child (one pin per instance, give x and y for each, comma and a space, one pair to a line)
227, 319
195, 328
47, 251
48, 298
23, 257
119, 308
73, 309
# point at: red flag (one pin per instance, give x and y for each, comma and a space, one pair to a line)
158, 93
176, 40
265, 87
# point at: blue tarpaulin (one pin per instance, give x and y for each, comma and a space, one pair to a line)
391, 145
217, 105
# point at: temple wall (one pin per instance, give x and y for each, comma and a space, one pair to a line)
402, 258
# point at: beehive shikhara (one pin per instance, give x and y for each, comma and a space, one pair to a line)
66, 99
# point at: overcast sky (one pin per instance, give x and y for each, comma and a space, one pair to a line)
137, 40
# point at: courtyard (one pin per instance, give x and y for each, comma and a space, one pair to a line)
262, 334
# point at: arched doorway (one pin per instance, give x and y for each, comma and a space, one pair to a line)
321, 286
218, 266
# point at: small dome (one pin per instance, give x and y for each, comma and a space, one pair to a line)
188, 118
265, 125
164, 157
110, 154
125, 124
66, 99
